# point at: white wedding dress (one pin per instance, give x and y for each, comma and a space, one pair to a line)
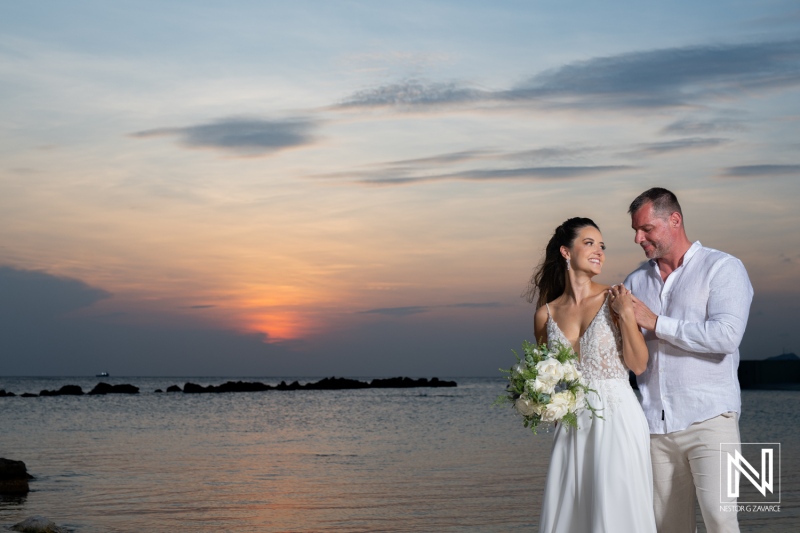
600, 477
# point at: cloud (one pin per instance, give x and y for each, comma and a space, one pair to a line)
695, 127
498, 174
398, 311
40, 336
416, 309
761, 171
668, 77
414, 93
650, 149
241, 136
460, 166
665, 78
37, 294
550, 153
442, 159
547, 153
478, 305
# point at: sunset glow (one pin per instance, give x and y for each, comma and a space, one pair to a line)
260, 185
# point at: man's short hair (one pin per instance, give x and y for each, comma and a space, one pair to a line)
664, 202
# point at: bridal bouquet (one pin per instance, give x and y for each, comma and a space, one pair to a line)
545, 386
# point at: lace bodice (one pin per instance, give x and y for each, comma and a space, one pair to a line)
600, 346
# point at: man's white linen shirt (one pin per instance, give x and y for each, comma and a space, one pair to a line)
702, 310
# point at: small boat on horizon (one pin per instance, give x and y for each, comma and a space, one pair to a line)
101, 375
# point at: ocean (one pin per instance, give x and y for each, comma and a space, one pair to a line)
394, 460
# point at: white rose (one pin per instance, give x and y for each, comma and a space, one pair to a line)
558, 407
570, 372
551, 368
525, 406
549, 373
543, 385
563, 397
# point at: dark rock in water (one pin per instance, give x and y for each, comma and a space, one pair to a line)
229, 386
335, 383
294, 385
28, 395
436, 382
193, 388
38, 524
173, 388
13, 477
332, 383
242, 386
4, 394
780, 372
66, 390
158, 391
105, 388
400, 383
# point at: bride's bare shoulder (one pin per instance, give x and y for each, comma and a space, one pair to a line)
601, 291
540, 324
541, 315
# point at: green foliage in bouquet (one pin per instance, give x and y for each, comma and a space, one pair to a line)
545, 386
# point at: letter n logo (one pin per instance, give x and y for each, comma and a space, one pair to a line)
736, 465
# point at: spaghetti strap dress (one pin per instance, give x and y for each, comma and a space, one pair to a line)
600, 476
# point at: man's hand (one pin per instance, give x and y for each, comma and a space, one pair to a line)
645, 318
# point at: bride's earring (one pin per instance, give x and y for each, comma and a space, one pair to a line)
567, 264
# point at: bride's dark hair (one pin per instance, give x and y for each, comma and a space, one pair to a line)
550, 278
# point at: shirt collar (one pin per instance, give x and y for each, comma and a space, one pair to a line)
693, 249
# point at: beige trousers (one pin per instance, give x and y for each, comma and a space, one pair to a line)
687, 463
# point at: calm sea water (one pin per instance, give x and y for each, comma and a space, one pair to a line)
399, 460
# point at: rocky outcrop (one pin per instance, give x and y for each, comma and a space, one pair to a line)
13, 477
335, 383
105, 388
66, 390
229, 386
332, 383
4, 394
38, 524
780, 372
402, 383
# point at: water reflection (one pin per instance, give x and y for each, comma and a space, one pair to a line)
303, 461
12, 501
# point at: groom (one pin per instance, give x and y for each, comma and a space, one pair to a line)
692, 303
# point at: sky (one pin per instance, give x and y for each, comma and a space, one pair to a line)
315, 188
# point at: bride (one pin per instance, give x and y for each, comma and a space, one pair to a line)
600, 477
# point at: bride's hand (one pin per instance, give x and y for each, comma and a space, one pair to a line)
621, 300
